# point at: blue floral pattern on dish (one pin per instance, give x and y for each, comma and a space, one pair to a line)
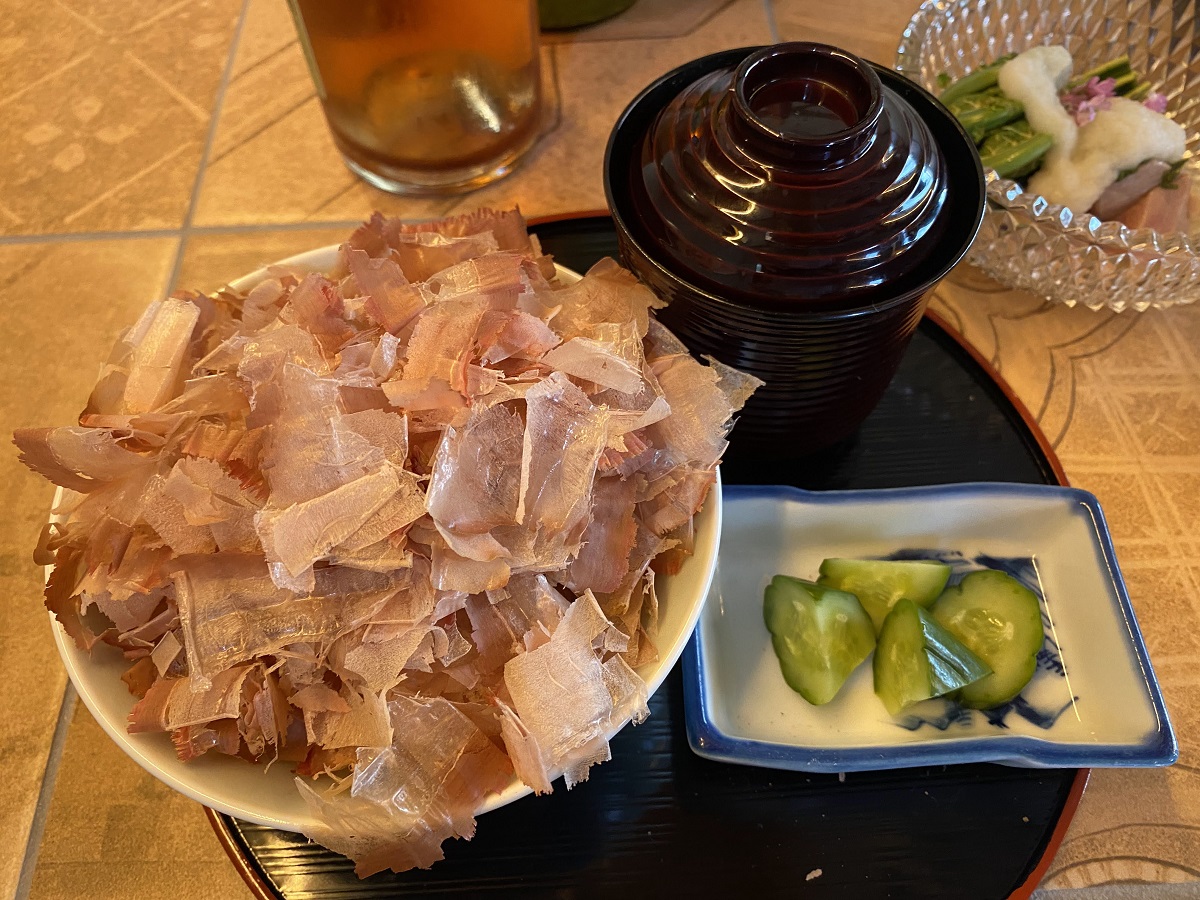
1047, 710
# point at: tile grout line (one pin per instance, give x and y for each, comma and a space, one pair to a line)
772, 25
10, 240
209, 141
72, 237
41, 810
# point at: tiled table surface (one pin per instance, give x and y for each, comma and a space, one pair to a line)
150, 145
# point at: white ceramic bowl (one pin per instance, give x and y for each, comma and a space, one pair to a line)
267, 796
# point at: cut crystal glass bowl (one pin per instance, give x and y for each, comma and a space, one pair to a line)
1026, 241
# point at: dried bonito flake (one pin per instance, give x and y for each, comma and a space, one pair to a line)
392, 524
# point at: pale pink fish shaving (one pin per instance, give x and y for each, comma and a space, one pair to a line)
603, 558
596, 362
174, 703
392, 300
78, 459
406, 799
608, 295
475, 483
504, 334
297, 536
231, 611
701, 398
562, 697
564, 436
422, 255
160, 343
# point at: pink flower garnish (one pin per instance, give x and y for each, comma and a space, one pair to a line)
1156, 102
1088, 99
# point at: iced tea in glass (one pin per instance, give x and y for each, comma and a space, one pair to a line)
425, 96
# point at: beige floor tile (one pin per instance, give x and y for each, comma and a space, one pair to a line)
268, 30
1148, 552
1183, 325
1165, 423
1031, 344
127, 836
108, 136
870, 28
262, 93
36, 40
1129, 498
70, 144
187, 50
286, 169
85, 294
1096, 432
120, 18
1041, 350
212, 261
150, 199
1146, 353
1120, 835
1163, 597
1181, 501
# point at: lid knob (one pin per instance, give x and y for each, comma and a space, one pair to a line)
806, 104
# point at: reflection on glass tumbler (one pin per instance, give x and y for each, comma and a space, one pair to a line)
425, 96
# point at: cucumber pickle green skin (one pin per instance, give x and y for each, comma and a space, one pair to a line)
820, 635
1000, 620
880, 583
916, 659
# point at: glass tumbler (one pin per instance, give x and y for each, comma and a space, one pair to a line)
425, 96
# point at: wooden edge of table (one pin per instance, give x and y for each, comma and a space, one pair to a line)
568, 216
259, 886
262, 890
1056, 838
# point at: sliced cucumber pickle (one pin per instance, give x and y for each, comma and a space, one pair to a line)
1000, 620
820, 635
880, 583
917, 659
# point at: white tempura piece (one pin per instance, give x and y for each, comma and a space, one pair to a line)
1036, 77
1121, 137
1084, 161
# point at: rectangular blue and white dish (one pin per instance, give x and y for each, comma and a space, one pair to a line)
1093, 701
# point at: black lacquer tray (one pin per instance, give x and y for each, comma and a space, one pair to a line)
658, 821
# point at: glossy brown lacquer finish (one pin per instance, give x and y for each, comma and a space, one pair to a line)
795, 205
794, 179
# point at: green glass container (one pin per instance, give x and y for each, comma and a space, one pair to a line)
560, 14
